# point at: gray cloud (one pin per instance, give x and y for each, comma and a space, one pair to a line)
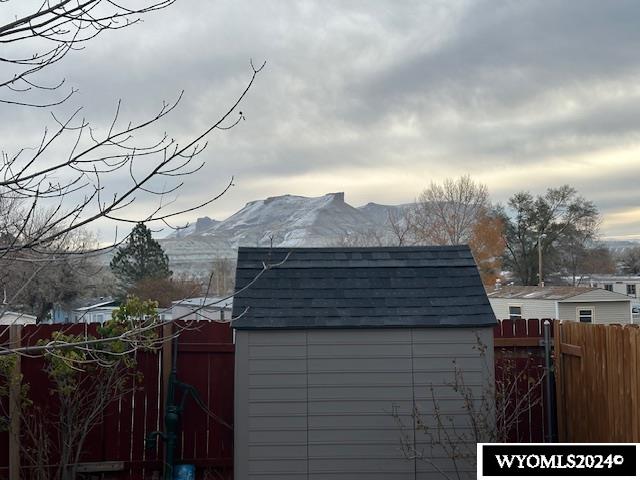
358, 94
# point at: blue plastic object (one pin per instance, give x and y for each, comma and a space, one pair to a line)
184, 472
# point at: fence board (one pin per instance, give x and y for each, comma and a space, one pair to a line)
600, 389
15, 406
519, 355
4, 410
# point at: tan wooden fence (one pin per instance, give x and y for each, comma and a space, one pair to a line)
597, 382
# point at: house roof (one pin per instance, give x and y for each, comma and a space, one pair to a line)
9, 317
86, 303
359, 288
102, 304
551, 293
615, 278
209, 302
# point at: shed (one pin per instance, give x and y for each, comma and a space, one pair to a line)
579, 304
334, 346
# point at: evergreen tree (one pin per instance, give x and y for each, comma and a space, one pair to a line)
140, 258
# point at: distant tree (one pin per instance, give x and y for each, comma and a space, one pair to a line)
364, 238
223, 276
456, 212
598, 259
56, 281
140, 258
401, 226
579, 254
630, 260
102, 283
166, 290
396, 231
446, 214
564, 223
487, 245
33, 282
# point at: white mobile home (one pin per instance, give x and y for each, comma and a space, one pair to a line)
202, 308
580, 304
17, 318
625, 284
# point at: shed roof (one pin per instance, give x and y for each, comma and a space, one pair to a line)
359, 288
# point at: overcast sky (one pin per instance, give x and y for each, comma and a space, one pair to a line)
377, 99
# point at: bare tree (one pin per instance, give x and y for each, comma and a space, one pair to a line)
90, 167
71, 176
83, 383
489, 413
223, 272
365, 238
36, 280
629, 259
446, 214
458, 211
394, 230
166, 290
401, 225
83, 399
42, 33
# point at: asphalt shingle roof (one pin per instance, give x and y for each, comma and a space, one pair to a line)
360, 288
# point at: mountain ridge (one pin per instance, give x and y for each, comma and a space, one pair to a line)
278, 221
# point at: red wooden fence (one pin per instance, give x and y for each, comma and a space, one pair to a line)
205, 360
519, 353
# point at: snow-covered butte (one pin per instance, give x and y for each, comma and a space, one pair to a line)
282, 221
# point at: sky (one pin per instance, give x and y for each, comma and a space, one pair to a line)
376, 99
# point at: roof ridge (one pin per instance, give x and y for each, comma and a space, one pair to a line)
357, 249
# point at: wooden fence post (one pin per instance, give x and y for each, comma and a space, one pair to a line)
167, 361
15, 388
167, 364
559, 374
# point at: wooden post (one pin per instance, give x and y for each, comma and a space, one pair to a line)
15, 341
167, 361
559, 374
546, 326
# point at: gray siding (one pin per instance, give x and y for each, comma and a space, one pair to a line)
530, 308
318, 404
605, 312
356, 379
